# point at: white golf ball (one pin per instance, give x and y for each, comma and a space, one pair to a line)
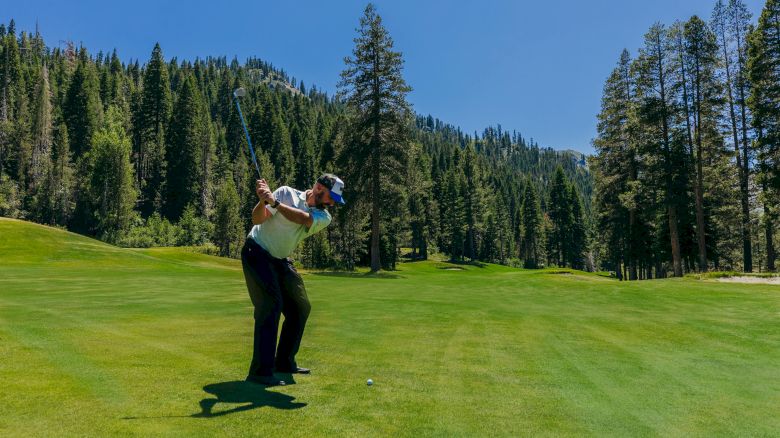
369, 382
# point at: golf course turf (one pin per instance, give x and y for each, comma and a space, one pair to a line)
99, 341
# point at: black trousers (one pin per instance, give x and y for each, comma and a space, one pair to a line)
275, 288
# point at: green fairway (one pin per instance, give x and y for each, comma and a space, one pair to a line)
98, 341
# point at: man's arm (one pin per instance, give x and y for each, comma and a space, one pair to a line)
261, 214
294, 215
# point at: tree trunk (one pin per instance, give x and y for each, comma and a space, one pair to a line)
700, 234
674, 236
376, 264
744, 171
769, 233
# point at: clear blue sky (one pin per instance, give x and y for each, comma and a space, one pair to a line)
534, 66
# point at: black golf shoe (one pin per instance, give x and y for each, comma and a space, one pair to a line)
296, 370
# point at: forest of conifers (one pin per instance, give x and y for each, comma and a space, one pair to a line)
153, 153
687, 170
684, 178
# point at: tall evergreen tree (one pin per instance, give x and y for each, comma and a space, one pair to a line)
576, 232
730, 25
42, 139
453, 229
302, 138
701, 58
657, 101
763, 66
111, 184
58, 189
228, 224
531, 242
155, 113
375, 94
82, 109
184, 150
616, 168
422, 207
10, 74
561, 217
472, 197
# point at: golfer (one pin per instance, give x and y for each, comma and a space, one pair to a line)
281, 220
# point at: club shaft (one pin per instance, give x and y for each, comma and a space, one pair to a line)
249, 142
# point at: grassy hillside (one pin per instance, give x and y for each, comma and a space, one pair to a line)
97, 340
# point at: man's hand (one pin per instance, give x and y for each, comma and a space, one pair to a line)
268, 197
260, 214
264, 192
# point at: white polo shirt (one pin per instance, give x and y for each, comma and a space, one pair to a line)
278, 235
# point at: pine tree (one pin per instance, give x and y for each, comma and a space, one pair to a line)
184, 150
375, 94
657, 101
453, 230
21, 142
530, 244
10, 72
82, 109
41, 140
695, 87
576, 233
281, 152
206, 141
472, 197
763, 67
155, 113
270, 134
422, 208
228, 224
60, 181
488, 249
561, 217
302, 139
701, 57
616, 167
731, 26
111, 183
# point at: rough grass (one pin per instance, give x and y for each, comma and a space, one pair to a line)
100, 341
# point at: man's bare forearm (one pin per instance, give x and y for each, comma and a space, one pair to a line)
294, 215
260, 214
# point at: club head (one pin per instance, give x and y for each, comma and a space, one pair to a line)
239, 92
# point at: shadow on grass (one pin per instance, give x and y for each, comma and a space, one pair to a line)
239, 391
363, 275
248, 395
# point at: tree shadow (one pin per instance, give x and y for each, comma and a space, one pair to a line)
239, 391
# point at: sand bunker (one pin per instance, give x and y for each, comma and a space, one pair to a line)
746, 279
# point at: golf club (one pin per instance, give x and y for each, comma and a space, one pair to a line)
241, 92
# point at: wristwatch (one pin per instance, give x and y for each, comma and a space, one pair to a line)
276, 204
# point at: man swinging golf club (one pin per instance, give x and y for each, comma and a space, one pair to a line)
281, 220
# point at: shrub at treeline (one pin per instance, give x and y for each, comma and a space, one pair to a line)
687, 170
154, 154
